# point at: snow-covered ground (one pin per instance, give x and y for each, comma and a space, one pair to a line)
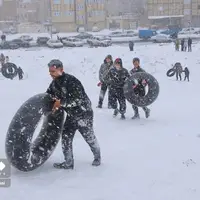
149, 159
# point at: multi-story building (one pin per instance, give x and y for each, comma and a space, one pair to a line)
185, 12
44, 10
8, 10
27, 11
63, 14
165, 12
68, 15
195, 12
124, 13
95, 13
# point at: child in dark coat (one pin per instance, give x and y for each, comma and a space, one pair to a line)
187, 74
117, 77
141, 91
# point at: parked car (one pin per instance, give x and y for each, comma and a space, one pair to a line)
101, 41
72, 42
83, 36
161, 38
42, 41
95, 29
26, 38
52, 43
20, 43
8, 45
117, 34
186, 31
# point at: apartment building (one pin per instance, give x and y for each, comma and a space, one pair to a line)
184, 12
27, 11
68, 15
8, 10
195, 13
124, 14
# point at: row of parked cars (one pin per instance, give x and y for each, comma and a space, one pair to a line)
80, 40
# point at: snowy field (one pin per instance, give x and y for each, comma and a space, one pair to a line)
149, 159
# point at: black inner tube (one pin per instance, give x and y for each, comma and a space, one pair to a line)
9, 70
22, 153
135, 92
171, 72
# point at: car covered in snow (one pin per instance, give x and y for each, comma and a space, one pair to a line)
117, 34
125, 33
100, 41
26, 38
20, 43
161, 38
84, 35
53, 43
72, 42
42, 41
190, 30
8, 45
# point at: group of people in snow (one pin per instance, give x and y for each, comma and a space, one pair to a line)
186, 45
69, 95
179, 70
112, 76
5, 59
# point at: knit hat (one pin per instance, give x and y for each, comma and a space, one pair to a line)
119, 61
109, 57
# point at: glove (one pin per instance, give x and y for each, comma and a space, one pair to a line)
99, 84
144, 83
56, 105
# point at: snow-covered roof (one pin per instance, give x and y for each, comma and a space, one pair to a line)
164, 17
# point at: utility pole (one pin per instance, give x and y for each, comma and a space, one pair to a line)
50, 16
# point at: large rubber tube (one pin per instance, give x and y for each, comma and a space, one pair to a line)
135, 92
22, 153
171, 72
9, 70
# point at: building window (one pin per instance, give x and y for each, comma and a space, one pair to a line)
69, 13
68, 1
56, 2
198, 7
56, 13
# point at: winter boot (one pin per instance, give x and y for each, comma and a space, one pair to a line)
147, 112
136, 116
63, 165
96, 162
116, 112
99, 106
123, 116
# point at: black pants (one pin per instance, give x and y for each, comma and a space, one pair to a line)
189, 48
131, 48
136, 110
178, 76
20, 76
117, 95
187, 77
103, 90
84, 124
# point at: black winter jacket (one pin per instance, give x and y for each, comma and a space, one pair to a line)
116, 78
135, 70
103, 71
140, 89
69, 90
